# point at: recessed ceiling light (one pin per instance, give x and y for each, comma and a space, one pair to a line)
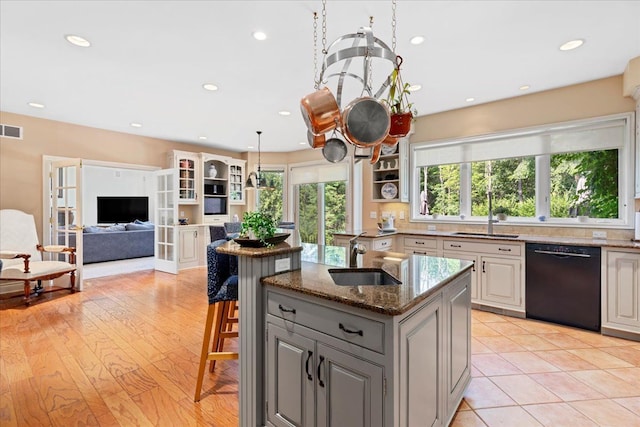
210, 86
35, 105
250, 147
202, 137
470, 99
259, 35
77, 40
572, 44
136, 125
302, 143
284, 113
417, 40
524, 87
415, 88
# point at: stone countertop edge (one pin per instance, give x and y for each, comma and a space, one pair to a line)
579, 241
378, 299
233, 248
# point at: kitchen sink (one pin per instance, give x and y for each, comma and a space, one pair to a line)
362, 277
508, 236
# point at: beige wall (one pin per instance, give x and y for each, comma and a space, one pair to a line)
591, 99
21, 160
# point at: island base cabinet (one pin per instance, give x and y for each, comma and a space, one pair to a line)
421, 367
291, 385
350, 390
312, 384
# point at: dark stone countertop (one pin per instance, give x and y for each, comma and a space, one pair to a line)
421, 277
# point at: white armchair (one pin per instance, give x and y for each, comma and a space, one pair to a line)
22, 255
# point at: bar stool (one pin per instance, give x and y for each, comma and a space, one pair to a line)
222, 290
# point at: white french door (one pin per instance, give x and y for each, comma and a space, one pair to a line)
166, 243
65, 215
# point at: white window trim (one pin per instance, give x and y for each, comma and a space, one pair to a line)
626, 175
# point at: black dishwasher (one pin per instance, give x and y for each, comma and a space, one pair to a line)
563, 284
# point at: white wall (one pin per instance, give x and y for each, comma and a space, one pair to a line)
110, 181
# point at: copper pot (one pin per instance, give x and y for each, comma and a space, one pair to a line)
320, 111
375, 154
391, 140
366, 122
316, 141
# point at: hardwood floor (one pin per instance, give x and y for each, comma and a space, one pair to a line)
124, 352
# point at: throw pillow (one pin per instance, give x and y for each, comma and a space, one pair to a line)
93, 229
133, 227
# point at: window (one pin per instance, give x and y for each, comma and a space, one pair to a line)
550, 173
320, 200
271, 200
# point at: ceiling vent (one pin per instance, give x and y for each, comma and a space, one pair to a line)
9, 131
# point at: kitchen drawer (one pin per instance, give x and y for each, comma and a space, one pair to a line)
509, 249
420, 243
339, 324
384, 244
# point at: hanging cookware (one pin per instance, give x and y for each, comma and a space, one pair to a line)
366, 121
320, 111
390, 140
334, 149
316, 141
375, 154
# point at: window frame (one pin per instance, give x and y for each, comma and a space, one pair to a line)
626, 174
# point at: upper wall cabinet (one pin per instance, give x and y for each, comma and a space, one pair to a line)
187, 165
236, 182
389, 176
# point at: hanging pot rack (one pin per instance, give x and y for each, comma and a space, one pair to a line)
365, 122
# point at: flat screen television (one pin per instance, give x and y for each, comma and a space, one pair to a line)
215, 206
122, 209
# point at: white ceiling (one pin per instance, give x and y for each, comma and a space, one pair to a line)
149, 59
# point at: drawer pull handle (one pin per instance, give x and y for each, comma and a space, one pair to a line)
320, 382
349, 331
417, 242
306, 365
286, 310
504, 249
456, 246
420, 252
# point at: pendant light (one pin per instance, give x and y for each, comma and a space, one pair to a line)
260, 181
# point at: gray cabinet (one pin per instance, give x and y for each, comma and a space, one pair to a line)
291, 378
310, 383
422, 374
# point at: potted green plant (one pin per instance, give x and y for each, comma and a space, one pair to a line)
402, 111
258, 225
501, 213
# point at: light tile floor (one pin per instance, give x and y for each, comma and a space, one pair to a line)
530, 373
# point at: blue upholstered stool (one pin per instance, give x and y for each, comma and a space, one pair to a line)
222, 289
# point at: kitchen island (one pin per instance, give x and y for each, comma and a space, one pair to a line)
316, 353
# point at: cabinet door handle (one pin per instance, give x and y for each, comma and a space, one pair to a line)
286, 310
349, 331
483, 270
320, 382
455, 246
474, 266
306, 365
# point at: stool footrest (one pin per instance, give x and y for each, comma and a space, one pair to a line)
222, 355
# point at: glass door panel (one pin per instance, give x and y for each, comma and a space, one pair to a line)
166, 218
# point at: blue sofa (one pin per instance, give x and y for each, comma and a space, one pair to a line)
116, 242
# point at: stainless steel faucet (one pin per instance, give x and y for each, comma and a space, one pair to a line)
354, 250
491, 221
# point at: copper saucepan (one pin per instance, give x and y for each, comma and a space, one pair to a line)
320, 111
366, 121
316, 141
